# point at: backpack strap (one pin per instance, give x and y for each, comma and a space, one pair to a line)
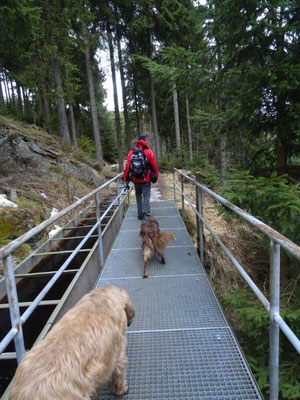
147, 163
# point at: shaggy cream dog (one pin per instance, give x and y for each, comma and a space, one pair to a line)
83, 351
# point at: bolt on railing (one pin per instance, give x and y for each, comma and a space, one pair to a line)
17, 320
276, 242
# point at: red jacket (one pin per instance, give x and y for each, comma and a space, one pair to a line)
151, 159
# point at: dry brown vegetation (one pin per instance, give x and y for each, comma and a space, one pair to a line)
238, 237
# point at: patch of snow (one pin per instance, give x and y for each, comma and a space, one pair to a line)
54, 231
186, 202
6, 203
155, 194
56, 228
53, 212
44, 196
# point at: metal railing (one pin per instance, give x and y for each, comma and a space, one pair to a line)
276, 242
17, 320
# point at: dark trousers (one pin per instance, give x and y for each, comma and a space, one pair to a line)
142, 194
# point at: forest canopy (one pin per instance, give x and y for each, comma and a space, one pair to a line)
201, 77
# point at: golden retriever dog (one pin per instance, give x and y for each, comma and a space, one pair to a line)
83, 351
153, 241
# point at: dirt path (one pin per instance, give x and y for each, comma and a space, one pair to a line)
163, 189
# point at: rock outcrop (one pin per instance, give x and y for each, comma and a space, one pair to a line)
20, 151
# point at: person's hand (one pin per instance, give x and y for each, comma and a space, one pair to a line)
127, 186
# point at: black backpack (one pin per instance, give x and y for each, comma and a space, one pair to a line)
138, 163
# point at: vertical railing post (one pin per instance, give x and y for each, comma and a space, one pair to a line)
274, 310
128, 194
200, 242
14, 310
119, 201
174, 187
100, 242
182, 198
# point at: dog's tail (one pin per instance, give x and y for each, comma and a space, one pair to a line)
162, 238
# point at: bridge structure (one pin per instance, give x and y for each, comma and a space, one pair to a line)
180, 344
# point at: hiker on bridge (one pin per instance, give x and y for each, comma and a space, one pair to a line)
141, 169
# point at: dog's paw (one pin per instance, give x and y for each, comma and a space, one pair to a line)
123, 391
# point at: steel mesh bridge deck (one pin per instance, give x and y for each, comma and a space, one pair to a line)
180, 345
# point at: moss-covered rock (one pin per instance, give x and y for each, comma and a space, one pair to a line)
22, 252
15, 222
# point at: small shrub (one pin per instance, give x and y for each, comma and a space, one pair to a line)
251, 324
57, 169
87, 145
271, 200
165, 164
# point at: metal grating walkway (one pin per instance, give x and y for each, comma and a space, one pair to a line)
180, 345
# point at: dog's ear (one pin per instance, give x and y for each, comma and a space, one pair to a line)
129, 311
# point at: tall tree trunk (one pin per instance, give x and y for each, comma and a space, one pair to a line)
116, 103
223, 152
12, 93
20, 102
154, 119
188, 122
176, 117
93, 104
124, 91
134, 81
124, 97
39, 98
280, 102
1, 90
7, 88
46, 108
73, 127
71, 111
223, 142
25, 98
281, 156
152, 90
61, 108
281, 140
137, 116
142, 118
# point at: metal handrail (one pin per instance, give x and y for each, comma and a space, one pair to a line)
276, 241
18, 320
284, 242
10, 247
